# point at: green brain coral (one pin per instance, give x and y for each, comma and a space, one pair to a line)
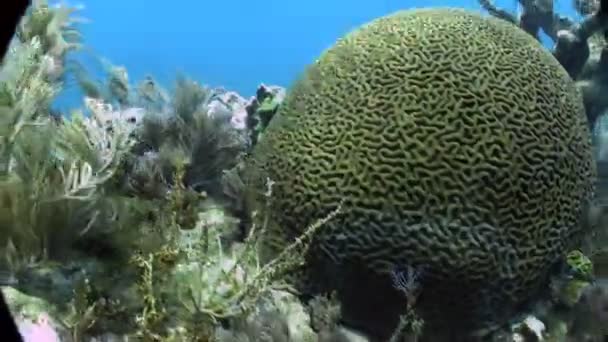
455, 144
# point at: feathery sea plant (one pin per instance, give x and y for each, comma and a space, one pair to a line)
55, 193
230, 281
51, 173
54, 26
185, 130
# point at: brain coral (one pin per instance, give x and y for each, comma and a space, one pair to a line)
455, 143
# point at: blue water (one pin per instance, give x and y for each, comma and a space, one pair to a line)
237, 44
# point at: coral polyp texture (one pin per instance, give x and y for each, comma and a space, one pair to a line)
454, 143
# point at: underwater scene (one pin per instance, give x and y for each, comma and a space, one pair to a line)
433, 172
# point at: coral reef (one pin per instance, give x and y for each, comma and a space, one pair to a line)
454, 192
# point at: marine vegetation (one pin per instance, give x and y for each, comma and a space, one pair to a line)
115, 186
54, 171
430, 177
